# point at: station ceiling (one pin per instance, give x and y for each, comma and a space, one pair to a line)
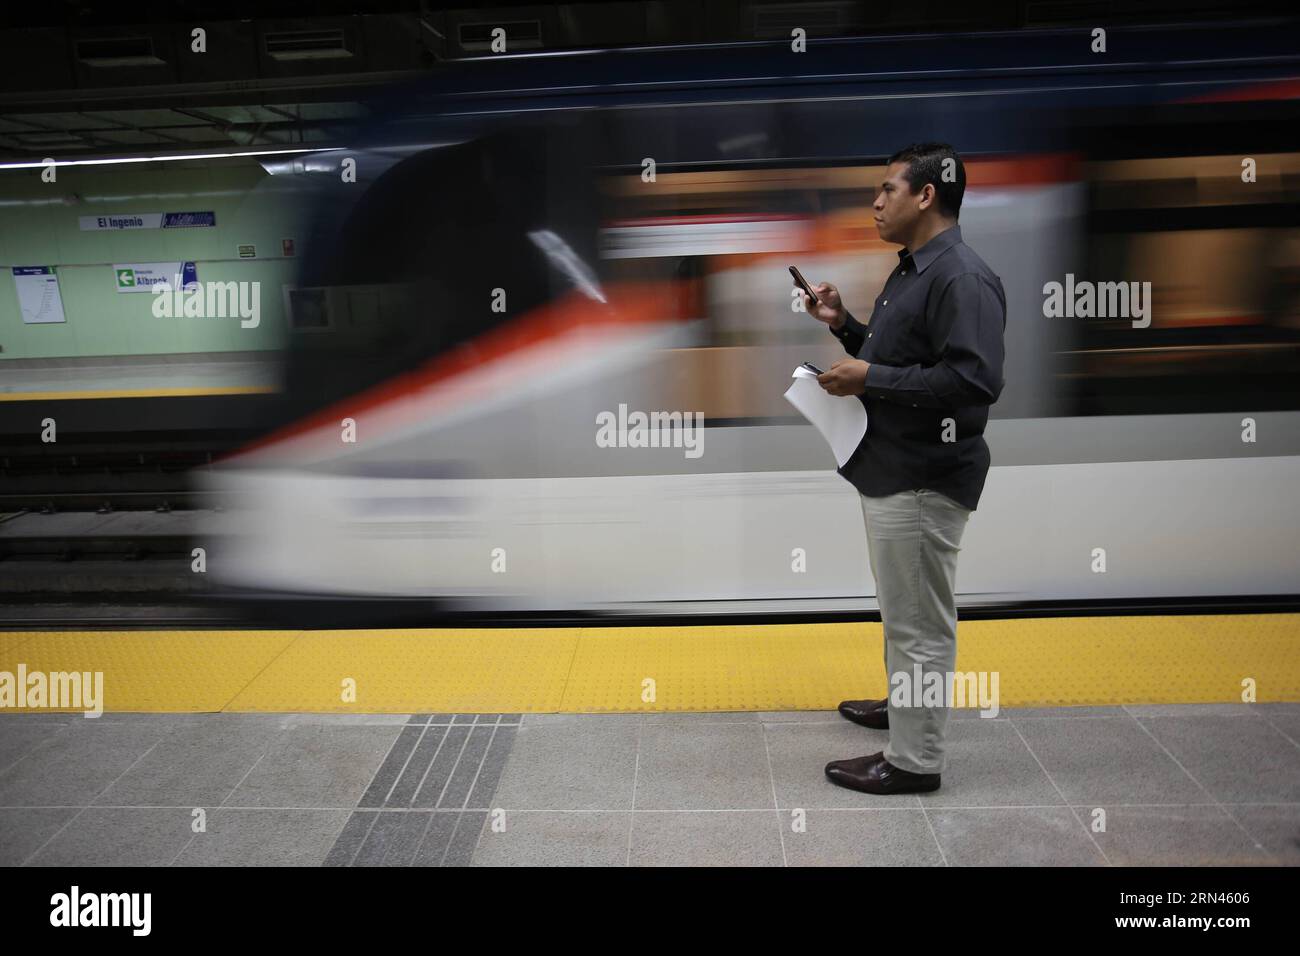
87, 79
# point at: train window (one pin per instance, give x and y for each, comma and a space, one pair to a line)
1175, 205
413, 264
307, 309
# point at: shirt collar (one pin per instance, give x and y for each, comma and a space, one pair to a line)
933, 249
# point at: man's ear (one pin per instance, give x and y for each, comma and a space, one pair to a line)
927, 196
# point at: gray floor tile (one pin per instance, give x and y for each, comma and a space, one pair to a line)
467, 768
1173, 836
351, 838
395, 763
316, 767
555, 839
723, 838
1047, 836
437, 839
833, 716
587, 764
483, 795
265, 838
1238, 759
25, 829
989, 766
800, 753
460, 851
72, 767
11, 719
702, 767
334, 720
1108, 761
1277, 828
862, 838
101, 836
1280, 707
196, 765
319, 766
410, 834
605, 721
390, 833
1288, 722
714, 717
140, 717
1192, 710
433, 786
1060, 713
799, 717
976, 713
413, 774
20, 738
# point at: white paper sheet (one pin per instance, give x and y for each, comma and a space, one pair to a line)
841, 419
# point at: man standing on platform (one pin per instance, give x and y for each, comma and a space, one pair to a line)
927, 365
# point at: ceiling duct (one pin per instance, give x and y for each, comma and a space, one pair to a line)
117, 51
775, 21
520, 34
328, 44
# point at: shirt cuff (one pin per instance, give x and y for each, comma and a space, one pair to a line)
843, 330
881, 377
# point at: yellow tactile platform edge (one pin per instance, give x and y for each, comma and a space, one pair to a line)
1040, 662
180, 390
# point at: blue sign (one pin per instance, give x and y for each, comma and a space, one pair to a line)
188, 220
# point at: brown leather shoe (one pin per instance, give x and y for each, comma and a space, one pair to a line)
868, 713
875, 774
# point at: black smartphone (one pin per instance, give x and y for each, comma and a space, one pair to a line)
802, 283
813, 367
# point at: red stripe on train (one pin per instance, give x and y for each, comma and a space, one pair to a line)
630, 303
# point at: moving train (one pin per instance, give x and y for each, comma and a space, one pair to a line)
526, 246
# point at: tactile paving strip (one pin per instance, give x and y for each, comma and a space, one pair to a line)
412, 671
153, 671
1039, 662
137, 393
427, 802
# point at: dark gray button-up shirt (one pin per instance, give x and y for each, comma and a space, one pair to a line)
934, 341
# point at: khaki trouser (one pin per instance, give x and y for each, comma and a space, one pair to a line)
913, 539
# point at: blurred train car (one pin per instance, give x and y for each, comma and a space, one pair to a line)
536, 244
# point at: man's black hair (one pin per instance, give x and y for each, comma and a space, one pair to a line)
925, 164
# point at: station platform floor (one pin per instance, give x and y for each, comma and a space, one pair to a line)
1215, 784
1115, 740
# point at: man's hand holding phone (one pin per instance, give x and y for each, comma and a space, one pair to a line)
845, 377
828, 308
